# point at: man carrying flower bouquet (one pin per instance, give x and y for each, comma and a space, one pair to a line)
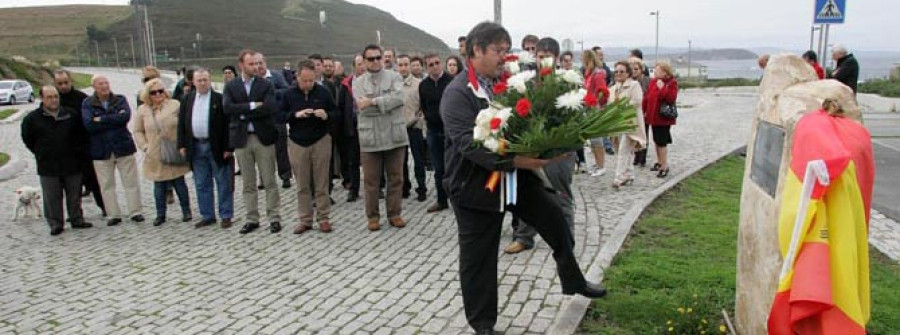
479, 209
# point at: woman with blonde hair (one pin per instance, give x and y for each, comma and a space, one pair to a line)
595, 84
155, 130
625, 87
663, 91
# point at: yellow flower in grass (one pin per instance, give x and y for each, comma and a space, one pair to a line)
669, 322
723, 329
671, 329
690, 310
704, 321
680, 310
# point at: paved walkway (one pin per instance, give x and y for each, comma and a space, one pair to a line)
136, 278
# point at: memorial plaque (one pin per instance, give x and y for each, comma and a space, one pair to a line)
767, 151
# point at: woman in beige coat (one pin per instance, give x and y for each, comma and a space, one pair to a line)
627, 88
157, 121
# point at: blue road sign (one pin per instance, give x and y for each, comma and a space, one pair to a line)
830, 11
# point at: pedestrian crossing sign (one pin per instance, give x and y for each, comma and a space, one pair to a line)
830, 11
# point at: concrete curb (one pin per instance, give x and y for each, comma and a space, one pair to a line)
574, 308
15, 117
12, 168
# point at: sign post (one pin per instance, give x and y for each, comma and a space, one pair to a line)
826, 13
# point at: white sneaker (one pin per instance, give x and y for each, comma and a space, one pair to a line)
598, 172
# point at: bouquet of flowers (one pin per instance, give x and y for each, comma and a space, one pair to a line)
545, 112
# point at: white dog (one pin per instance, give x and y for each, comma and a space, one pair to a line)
29, 200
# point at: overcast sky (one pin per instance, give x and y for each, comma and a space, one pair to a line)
708, 23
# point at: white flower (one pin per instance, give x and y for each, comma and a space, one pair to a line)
571, 100
492, 144
518, 81
513, 67
572, 76
547, 62
525, 57
504, 115
484, 117
480, 133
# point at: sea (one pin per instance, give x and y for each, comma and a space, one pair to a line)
869, 68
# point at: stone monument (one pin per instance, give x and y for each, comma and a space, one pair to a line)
789, 89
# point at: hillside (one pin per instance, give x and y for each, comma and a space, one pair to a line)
275, 27
52, 32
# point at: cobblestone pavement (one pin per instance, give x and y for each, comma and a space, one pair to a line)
136, 278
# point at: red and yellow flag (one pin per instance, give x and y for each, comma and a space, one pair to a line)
823, 232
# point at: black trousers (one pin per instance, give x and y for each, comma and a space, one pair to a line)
348, 147
417, 147
89, 180
479, 242
54, 189
281, 153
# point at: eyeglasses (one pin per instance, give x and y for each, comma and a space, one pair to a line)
373, 59
434, 64
157, 92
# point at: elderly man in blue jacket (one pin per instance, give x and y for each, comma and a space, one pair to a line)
105, 116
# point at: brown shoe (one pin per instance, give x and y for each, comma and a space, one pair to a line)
437, 207
397, 222
373, 225
514, 248
325, 227
301, 228
226, 223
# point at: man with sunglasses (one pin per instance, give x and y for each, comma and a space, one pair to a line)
382, 136
431, 89
476, 208
71, 98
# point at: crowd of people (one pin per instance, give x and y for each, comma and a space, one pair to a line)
312, 124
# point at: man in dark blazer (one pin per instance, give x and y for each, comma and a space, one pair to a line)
250, 103
203, 140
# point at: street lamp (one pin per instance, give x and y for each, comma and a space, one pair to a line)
199, 47
689, 59
656, 13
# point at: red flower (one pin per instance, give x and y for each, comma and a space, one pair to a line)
590, 100
504, 76
523, 107
546, 71
511, 58
500, 88
495, 123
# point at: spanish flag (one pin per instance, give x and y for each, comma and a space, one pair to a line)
823, 230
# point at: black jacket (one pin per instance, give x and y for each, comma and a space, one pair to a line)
237, 107
467, 166
58, 143
430, 93
72, 100
346, 122
218, 127
308, 130
847, 71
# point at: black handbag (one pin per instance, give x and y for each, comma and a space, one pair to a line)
668, 111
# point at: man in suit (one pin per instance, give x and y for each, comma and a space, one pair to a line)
281, 152
250, 103
203, 140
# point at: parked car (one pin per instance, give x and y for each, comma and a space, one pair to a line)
14, 91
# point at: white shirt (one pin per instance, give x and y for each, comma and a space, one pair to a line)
200, 116
248, 84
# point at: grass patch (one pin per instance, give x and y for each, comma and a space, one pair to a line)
727, 82
7, 113
681, 255
81, 80
883, 87
4, 158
